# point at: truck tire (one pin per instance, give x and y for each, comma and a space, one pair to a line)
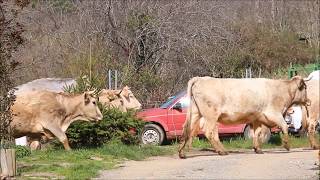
264, 136
152, 134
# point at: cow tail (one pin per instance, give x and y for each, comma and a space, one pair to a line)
187, 124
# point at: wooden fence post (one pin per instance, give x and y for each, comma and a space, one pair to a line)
8, 162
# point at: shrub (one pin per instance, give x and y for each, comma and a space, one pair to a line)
116, 125
22, 151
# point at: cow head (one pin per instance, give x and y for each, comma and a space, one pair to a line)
122, 99
89, 108
129, 101
299, 91
111, 98
107, 96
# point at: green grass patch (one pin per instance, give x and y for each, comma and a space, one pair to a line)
86, 163
83, 163
241, 143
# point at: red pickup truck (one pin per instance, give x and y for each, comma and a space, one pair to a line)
166, 122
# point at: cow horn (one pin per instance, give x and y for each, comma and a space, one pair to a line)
308, 79
120, 91
90, 92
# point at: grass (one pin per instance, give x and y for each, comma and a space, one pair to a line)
83, 163
86, 163
241, 143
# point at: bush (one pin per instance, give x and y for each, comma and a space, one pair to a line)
22, 151
116, 125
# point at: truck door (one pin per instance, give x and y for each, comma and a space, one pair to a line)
177, 115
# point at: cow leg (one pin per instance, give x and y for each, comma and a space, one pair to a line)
56, 131
211, 132
194, 132
311, 134
216, 137
188, 130
34, 143
279, 121
256, 140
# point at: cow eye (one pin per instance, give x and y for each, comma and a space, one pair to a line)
93, 102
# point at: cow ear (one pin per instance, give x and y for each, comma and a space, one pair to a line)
86, 98
302, 85
300, 82
125, 91
118, 93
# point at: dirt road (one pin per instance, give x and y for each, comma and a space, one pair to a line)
243, 164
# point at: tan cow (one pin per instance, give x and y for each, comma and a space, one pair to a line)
235, 101
309, 121
122, 99
49, 114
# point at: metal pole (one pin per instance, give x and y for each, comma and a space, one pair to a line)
260, 72
109, 80
116, 79
246, 72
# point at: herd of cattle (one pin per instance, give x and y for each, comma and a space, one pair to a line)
43, 111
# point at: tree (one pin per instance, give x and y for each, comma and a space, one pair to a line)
10, 39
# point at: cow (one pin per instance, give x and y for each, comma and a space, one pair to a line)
311, 115
44, 113
232, 101
122, 99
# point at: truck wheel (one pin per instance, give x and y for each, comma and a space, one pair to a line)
264, 136
152, 134
246, 133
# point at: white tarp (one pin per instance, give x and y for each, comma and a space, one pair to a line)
315, 75
296, 116
21, 141
49, 84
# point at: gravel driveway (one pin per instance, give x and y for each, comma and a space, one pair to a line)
242, 164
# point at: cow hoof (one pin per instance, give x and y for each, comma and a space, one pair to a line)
223, 153
182, 155
287, 147
258, 151
315, 147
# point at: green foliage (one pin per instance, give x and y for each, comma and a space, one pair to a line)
22, 151
10, 40
85, 83
94, 62
62, 5
241, 143
260, 47
145, 84
115, 125
81, 163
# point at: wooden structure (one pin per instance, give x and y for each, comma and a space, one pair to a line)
8, 163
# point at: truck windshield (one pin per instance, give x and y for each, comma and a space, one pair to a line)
172, 99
